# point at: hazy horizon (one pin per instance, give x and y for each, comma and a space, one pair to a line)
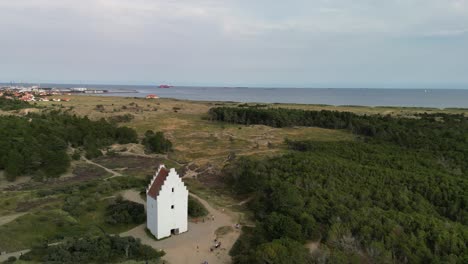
304, 44
136, 85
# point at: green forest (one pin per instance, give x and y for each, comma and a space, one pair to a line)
94, 249
445, 134
38, 144
397, 194
13, 104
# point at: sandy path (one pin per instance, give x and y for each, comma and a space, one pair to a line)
17, 254
194, 245
114, 173
8, 218
312, 246
134, 196
190, 247
19, 180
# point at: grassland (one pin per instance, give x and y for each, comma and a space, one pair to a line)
39, 227
202, 142
42, 207
199, 145
196, 140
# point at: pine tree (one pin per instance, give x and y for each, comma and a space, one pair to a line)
14, 165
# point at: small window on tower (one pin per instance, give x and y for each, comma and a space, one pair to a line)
172, 189
172, 206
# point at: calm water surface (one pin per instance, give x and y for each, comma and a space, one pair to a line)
440, 98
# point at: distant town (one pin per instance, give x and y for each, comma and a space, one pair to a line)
36, 93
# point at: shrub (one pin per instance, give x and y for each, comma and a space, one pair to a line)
156, 142
125, 212
195, 208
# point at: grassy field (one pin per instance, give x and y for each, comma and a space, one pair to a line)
9, 201
198, 143
137, 166
196, 140
38, 227
202, 142
42, 205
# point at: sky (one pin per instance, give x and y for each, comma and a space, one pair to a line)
266, 43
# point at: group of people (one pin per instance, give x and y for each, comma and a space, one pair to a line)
216, 245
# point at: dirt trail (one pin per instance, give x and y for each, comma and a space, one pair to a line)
114, 173
133, 196
4, 183
194, 245
140, 153
17, 254
8, 218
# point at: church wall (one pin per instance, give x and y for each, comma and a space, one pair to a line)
151, 214
173, 193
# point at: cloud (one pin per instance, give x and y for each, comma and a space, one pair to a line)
228, 39
447, 33
240, 17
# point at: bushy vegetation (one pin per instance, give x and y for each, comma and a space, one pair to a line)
121, 118
125, 212
37, 144
156, 142
94, 249
32, 228
397, 194
86, 197
445, 134
13, 104
83, 212
195, 208
362, 200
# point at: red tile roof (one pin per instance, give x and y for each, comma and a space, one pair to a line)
158, 183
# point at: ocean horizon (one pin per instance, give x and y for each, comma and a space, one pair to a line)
394, 97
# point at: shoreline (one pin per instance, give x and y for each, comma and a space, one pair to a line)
295, 105
369, 97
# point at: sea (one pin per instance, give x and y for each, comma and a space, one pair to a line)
434, 98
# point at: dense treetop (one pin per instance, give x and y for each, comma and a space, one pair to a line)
156, 142
100, 249
396, 194
363, 201
125, 212
446, 134
196, 208
37, 143
13, 104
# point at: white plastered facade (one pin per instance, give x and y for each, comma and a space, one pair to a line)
167, 213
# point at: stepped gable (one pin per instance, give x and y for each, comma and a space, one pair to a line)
157, 182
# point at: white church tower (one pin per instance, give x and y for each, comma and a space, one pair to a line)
166, 204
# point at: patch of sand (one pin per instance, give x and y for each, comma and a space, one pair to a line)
312, 246
4, 183
114, 173
4, 257
134, 196
194, 245
8, 218
130, 148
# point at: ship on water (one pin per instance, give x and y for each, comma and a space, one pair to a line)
165, 86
